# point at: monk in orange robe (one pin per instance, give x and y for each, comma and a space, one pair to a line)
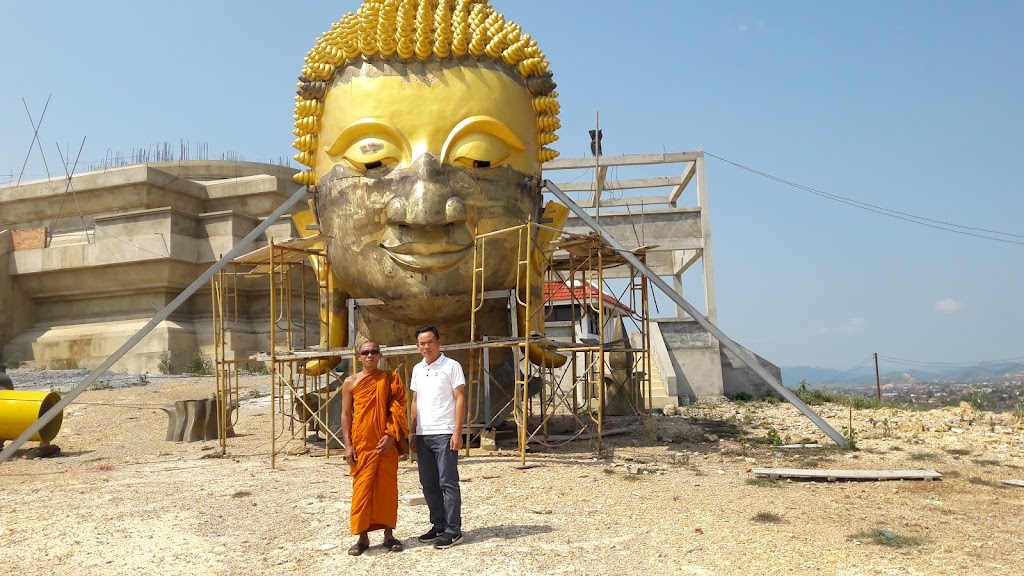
372, 422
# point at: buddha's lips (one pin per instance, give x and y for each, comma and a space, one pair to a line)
427, 257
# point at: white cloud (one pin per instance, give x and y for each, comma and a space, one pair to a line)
947, 306
856, 324
741, 28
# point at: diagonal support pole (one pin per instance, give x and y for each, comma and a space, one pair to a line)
35, 138
69, 188
236, 250
735, 348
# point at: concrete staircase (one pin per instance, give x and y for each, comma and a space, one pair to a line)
661, 394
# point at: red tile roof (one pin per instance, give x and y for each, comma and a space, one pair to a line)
560, 293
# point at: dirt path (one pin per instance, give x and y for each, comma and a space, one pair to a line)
120, 500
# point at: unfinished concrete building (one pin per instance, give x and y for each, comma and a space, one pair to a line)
86, 262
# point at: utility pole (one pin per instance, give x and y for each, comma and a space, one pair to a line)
595, 149
878, 381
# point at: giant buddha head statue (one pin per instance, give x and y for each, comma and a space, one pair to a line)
423, 123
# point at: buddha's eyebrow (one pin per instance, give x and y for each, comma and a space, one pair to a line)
488, 124
364, 127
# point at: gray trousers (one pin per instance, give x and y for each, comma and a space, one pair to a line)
439, 477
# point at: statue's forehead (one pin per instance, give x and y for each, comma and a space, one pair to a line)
430, 107
425, 71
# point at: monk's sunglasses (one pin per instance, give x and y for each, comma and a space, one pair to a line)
368, 352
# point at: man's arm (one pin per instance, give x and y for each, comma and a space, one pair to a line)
460, 416
346, 419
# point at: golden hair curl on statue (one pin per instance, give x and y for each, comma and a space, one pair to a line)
421, 30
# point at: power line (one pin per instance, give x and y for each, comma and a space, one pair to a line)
862, 362
924, 363
907, 217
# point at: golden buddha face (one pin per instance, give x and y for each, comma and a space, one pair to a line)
414, 158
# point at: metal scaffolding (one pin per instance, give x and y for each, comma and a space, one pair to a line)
298, 401
577, 393
579, 390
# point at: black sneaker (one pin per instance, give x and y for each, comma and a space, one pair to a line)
432, 535
447, 541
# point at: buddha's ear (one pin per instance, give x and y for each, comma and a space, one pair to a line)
306, 222
333, 323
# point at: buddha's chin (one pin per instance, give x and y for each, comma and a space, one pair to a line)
423, 309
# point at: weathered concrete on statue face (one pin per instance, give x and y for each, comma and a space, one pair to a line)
408, 233
150, 232
620, 386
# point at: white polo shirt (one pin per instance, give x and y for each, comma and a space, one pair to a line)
434, 385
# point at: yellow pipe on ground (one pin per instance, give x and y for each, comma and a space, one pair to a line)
19, 409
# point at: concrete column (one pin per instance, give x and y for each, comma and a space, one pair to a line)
710, 301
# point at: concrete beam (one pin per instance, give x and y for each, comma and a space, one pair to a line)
677, 228
687, 176
634, 201
625, 160
631, 184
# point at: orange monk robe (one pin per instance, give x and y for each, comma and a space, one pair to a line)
375, 476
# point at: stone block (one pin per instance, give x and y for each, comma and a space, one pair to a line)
488, 440
414, 499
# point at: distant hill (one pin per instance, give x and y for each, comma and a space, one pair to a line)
815, 376
792, 375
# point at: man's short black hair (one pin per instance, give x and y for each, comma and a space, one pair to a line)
422, 329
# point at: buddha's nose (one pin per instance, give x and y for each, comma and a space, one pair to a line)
424, 197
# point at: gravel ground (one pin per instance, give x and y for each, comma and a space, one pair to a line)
64, 380
676, 499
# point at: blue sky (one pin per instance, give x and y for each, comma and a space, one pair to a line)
912, 106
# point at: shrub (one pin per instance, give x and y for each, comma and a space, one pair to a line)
850, 435
164, 363
198, 364
12, 363
767, 518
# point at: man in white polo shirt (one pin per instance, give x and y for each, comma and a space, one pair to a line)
438, 413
